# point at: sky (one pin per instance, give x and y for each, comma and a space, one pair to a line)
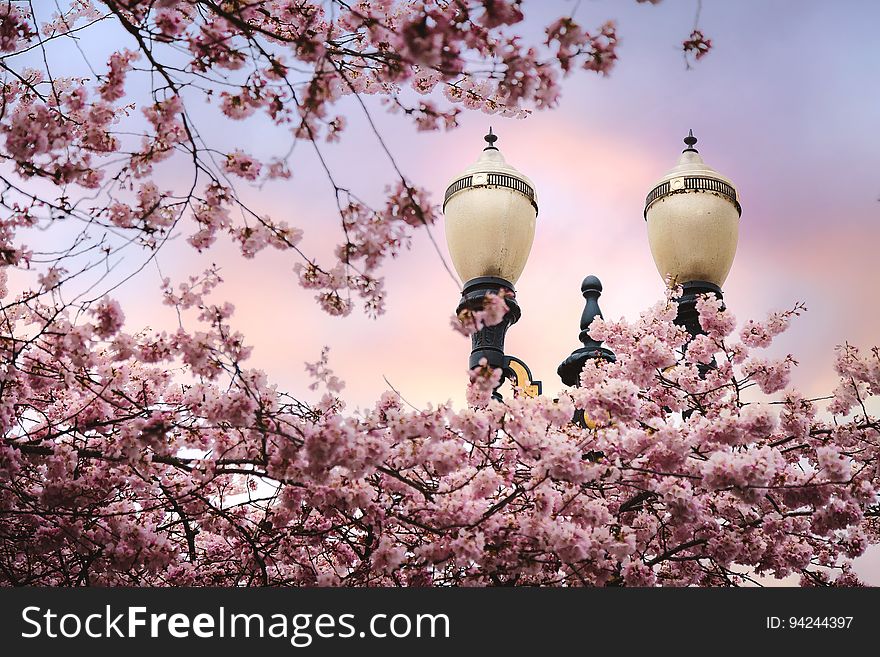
785, 105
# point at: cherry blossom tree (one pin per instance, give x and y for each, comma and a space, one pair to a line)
162, 458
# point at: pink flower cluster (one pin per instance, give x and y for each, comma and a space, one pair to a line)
322, 374
113, 87
697, 45
597, 51
163, 458
468, 321
130, 474
859, 379
16, 28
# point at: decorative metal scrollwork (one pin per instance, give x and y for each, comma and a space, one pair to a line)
691, 184
522, 376
491, 179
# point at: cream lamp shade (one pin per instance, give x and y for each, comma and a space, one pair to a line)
693, 215
490, 210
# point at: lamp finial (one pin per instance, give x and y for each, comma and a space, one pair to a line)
690, 140
491, 138
570, 369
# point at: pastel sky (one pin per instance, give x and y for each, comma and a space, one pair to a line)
786, 105
782, 106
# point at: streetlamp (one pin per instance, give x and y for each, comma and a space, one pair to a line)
490, 211
693, 215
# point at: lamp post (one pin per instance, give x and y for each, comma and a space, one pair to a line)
490, 211
692, 214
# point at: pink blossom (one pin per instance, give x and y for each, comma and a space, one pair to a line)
388, 555
697, 44
701, 349
278, 169
322, 374
424, 81
121, 215
500, 12
236, 106
109, 318
242, 165
742, 470
335, 128
170, 21
717, 323
494, 309
837, 514
113, 86
770, 375
760, 334
483, 381
15, 28
833, 465
64, 22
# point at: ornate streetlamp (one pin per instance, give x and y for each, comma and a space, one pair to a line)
490, 210
693, 215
